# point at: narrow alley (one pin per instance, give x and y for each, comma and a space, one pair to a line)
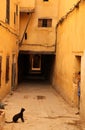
44, 109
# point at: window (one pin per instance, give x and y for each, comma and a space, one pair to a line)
44, 22
7, 11
45, 0
0, 68
7, 69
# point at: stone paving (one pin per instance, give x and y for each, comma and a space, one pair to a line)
45, 109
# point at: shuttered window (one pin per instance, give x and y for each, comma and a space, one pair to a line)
7, 11
44, 22
0, 68
14, 18
7, 69
39, 22
16, 9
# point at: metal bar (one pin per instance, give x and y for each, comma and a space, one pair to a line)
25, 29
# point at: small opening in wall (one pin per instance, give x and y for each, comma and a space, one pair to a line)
25, 36
45, 0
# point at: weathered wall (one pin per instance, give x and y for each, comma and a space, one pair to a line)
40, 38
8, 45
27, 4
70, 46
82, 105
65, 6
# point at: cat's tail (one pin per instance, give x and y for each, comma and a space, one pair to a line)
8, 121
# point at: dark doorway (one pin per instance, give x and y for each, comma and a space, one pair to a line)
35, 67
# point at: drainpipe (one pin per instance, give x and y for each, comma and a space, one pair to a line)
56, 37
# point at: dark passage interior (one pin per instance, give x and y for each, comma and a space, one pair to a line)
35, 67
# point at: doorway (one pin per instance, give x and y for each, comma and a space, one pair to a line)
75, 85
13, 80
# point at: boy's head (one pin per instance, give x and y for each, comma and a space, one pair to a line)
79, 73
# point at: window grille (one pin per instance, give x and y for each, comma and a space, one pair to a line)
44, 22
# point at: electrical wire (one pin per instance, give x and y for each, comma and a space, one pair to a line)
61, 20
39, 45
3, 24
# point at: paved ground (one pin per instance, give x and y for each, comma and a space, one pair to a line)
45, 109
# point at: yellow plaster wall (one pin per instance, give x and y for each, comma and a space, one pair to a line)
8, 45
43, 37
70, 43
13, 4
2, 17
82, 104
65, 6
27, 3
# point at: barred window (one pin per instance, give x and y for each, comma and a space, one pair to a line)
7, 11
0, 68
7, 69
44, 22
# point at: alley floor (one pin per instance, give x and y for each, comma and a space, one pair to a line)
44, 109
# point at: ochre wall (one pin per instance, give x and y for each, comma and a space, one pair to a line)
69, 38
8, 45
24, 4
70, 46
65, 6
42, 36
82, 105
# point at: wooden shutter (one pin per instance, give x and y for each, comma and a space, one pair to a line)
7, 11
49, 23
39, 22
7, 69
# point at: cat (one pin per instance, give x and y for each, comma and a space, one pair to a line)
17, 116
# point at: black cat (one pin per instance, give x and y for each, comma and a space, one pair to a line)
17, 116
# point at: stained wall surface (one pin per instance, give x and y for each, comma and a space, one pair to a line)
39, 38
69, 51
8, 46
